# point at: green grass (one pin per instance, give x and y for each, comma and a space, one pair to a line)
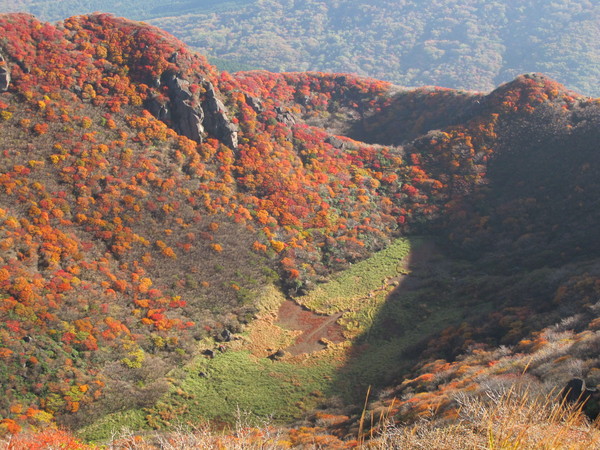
236, 381
383, 356
348, 290
113, 424
389, 323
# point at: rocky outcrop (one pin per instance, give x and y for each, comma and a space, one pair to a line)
4, 75
255, 104
216, 120
189, 116
209, 353
336, 142
179, 111
225, 335
285, 116
577, 393
277, 356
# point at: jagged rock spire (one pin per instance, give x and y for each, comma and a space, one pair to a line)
4, 75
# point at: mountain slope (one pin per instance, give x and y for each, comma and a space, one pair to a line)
150, 204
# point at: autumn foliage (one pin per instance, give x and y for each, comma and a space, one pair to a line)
122, 242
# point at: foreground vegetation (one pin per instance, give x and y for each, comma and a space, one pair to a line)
501, 419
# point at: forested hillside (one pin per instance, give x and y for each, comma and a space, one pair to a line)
167, 230
472, 44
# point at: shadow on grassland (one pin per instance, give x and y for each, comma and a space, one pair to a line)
426, 297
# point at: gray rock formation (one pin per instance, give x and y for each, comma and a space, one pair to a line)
209, 353
277, 356
285, 116
255, 104
336, 142
216, 120
180, 110
190, 118
577, 393
4, 75
225, 335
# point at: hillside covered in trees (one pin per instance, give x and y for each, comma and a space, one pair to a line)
158, 216
471, 44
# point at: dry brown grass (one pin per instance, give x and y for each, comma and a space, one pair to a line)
513, 419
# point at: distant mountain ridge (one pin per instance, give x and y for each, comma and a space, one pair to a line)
472, 44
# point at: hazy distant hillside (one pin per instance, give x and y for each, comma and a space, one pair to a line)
471, 44
135, 9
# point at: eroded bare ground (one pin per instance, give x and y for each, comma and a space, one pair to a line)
315, 328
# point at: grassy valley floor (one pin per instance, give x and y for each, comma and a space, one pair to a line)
325, 348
